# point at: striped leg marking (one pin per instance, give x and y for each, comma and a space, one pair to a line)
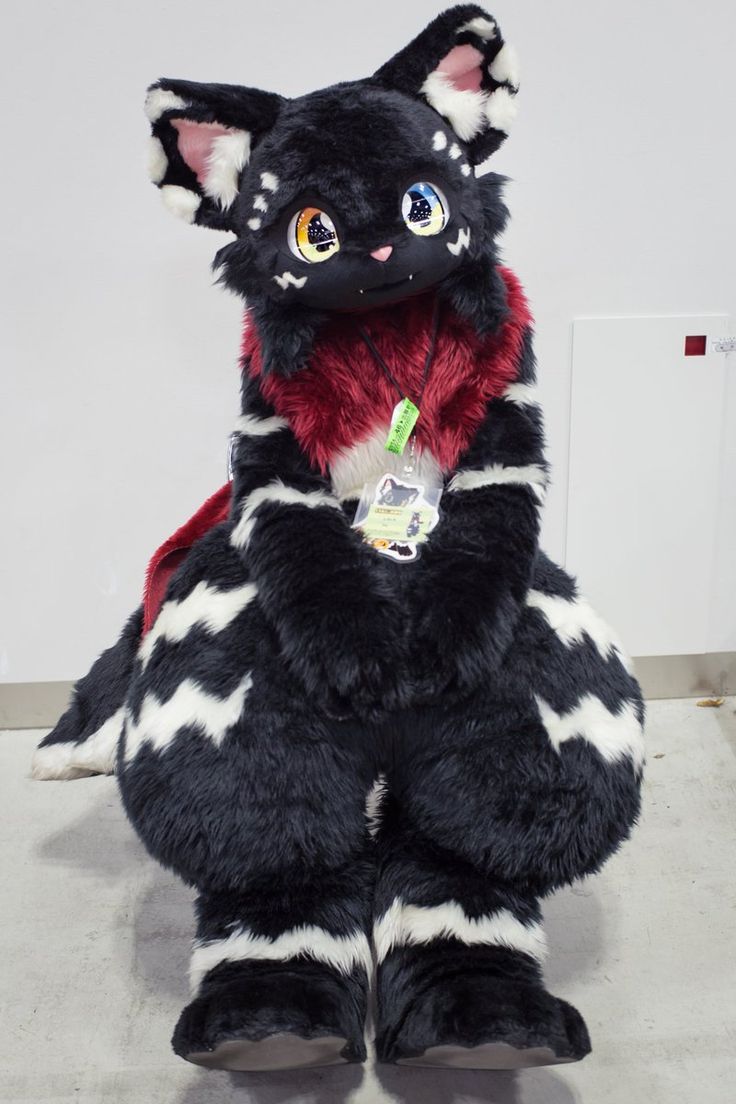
409, 925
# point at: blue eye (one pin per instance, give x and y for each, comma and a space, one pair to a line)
424, 209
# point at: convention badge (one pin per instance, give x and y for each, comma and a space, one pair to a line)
403, 420
396, 515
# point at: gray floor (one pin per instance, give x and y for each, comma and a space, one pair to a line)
95, 939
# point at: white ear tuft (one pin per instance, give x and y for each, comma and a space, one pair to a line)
159, 100
480, 26
501, 109
505, 66
228, 155
181, 201
158, 162
463, 108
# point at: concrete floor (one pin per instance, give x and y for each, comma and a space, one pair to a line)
95, 941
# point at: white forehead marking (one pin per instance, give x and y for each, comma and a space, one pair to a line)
254, 223
287, 278
455, 151
269, 181
259, 203
465, 169
440, 140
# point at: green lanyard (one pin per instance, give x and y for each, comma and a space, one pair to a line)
406, 413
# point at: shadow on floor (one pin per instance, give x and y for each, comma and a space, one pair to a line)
377, 1085
102, 843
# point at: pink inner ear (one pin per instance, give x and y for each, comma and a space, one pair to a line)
195, 143
463, 65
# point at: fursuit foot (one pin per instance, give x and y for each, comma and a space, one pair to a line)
496, 1015
272, 1016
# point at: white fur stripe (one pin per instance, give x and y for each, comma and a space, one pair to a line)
439, 140
189, 707
471, 480
276, 492
229, 153
374, 804
572, 619
181, 201
614, 735
484, 28
207, 606
463, 241
403, 925
505, 66
158, 162
525, 394
464, 109
287, 279
96, 755
501, 109
344, 953
248, 425
160, 100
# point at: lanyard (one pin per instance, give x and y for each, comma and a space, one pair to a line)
406, 412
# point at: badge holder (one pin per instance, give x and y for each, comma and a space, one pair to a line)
397, 513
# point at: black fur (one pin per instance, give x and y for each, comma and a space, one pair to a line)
250, 745
254, 1000
384, 126
444, 995
102, 691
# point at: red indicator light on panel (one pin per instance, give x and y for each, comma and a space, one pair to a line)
695, 345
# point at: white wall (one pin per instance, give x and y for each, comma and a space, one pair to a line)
119, 380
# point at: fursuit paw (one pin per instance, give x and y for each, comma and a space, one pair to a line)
497, 1015
458, 641
268, 1016
350, 662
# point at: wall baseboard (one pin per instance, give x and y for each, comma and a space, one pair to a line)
40, 704
687, 676
33, 704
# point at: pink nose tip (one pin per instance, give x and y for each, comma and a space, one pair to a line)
383, 253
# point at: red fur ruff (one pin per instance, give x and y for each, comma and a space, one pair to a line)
342, 397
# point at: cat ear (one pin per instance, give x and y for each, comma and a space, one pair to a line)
202, 137
462, 68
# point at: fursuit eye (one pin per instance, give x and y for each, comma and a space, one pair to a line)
312, 235
424, 209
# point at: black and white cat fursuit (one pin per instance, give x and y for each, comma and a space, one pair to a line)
292, 671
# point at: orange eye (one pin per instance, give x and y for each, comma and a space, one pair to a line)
312, 235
